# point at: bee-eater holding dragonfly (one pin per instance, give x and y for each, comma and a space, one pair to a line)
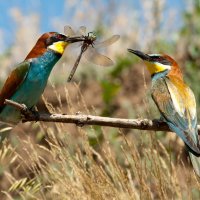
28, 80
175, 101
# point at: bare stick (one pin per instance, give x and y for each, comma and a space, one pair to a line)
81, 120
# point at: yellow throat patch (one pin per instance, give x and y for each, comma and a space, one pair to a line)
156, 67
58, 47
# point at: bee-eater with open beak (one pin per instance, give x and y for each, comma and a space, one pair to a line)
175, 101
28, 80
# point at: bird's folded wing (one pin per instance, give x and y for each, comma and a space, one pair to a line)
178, 109
13, 81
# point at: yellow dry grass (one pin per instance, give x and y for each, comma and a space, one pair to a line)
117, 166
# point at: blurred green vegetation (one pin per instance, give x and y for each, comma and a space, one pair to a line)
113, 83
190, 35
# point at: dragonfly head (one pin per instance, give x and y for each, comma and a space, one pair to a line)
92, 36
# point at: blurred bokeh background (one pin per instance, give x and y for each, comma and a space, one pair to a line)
122, 90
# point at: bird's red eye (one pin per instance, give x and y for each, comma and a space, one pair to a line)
58, 36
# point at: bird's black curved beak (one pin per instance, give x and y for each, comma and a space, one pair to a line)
74, 39
140, 54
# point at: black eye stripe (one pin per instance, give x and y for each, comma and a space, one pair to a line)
54, 38
165, 62
161, 60
156, 57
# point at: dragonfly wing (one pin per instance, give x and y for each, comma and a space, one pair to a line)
95, 57
69, 31
107, 42
82, 30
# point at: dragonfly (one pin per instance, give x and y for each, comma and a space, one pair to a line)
89, 47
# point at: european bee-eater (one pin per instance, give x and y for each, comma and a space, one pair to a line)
175, 100
27, 81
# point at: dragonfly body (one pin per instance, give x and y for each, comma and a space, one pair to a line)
89, 48
175, 101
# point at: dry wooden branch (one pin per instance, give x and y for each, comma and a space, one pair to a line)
81, 120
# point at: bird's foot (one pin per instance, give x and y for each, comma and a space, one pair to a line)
161, 124
35, 114
25, 111
30, 114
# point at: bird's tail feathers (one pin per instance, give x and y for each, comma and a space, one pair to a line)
195, 162
192, 151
